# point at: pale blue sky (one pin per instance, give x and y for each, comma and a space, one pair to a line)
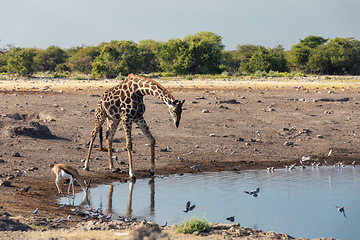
70, 23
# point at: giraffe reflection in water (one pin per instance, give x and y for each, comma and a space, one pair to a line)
128, 213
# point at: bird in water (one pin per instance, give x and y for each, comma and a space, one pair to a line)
341, 209
188, 207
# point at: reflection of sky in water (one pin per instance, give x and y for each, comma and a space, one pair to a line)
300, 203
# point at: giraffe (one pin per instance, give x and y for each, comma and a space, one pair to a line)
124, 102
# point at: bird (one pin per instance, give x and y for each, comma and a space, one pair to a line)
353, 133
326, 163
62, 206
188, 207
60, 220
270, 169
216, 150
341, 209
353, 163
231, 218
115, 158
329, 152
69, 218
306, 158
20, 172
164, 225
196, 167
76, 210
25, 189
36, 211
180, 158
302, 167
85, 218
254, 193
238, 167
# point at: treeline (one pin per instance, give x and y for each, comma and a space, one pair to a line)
201, 53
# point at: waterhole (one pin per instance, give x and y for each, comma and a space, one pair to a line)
300, 202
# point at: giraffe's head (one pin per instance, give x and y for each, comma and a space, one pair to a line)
175, 108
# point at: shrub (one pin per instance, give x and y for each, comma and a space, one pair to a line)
80, 77
192, 225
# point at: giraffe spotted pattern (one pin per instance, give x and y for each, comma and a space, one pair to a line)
124, 103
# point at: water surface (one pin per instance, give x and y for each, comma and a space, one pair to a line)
300, 202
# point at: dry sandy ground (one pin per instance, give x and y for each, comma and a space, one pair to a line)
225, 124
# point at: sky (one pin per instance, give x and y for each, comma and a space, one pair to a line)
71, 23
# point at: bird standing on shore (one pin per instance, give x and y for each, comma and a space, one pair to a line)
60, 220
329, 154
196, 167
36, 211
62, 207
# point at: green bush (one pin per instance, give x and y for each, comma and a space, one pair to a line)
192, 225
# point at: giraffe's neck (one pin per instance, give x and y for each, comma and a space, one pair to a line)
149, 87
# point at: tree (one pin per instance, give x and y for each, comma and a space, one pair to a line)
148, 50
300, 53
236, 60
338, 56
267, 59
21, 61
48, 59
199, 53
117, 57
82, 60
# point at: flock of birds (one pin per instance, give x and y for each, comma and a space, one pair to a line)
255, 193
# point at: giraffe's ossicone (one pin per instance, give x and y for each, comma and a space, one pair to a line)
124, 103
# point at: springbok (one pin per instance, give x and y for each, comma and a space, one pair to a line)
65, 171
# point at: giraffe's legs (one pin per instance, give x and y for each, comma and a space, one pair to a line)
112, 126
101, 148
145, 129
93, 135
99, 121
127, 129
